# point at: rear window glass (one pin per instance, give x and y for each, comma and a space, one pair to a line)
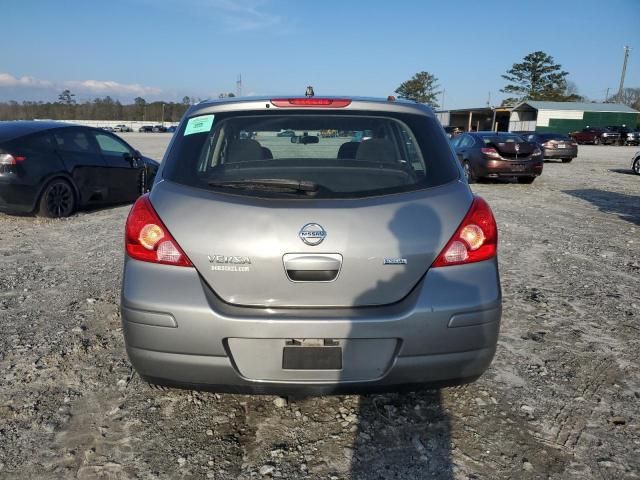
73, 140
331, 155
502, 139
39, 142
553, 136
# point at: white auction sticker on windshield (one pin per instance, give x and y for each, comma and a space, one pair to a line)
199, 124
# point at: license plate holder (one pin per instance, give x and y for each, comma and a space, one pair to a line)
517, 168
312, 358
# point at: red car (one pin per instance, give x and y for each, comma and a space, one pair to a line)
596, 136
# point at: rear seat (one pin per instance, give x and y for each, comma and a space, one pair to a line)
376, 150
348, 150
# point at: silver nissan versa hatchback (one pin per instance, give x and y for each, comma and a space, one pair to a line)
310, 245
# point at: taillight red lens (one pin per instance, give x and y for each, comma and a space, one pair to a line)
490, 152
475, 240
148, 240
8, 159
311, 102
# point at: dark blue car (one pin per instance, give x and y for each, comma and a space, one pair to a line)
54, 168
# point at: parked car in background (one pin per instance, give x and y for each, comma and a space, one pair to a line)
54, 168
286, 133
328, 133
361, 135
596, 136
159, 129
635, 163
146, 128
554, 145
453, 131
628, 136
107, 129
305, 271
497, 155
171, 129
122, 128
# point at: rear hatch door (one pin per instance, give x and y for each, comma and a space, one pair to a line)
250, 251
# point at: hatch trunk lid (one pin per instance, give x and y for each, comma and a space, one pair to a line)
251, 252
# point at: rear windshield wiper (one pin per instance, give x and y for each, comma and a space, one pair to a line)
270, 185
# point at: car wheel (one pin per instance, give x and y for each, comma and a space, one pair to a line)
468, 172
526, 180
567, 160
596, 141
58, 200
636, 166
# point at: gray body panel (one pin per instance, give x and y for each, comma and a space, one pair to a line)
225, 322
413, 226
427, 347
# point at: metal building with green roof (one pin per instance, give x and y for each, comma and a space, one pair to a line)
565, 117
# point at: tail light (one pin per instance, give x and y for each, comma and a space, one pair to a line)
490, 152
311, 102
475, 240
8, 159
148, 240
550, 144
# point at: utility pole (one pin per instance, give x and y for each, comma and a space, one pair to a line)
606, 95
163, 114
489, 101
239, 86
624, 71
442, 106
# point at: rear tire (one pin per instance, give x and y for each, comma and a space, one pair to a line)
468, 172
526, 180
636, 166
567, 160
57, 200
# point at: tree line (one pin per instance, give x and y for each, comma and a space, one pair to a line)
102, 108
537, 77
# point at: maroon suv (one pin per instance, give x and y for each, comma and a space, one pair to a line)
596, 136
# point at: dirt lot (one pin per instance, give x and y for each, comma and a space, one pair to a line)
561, 400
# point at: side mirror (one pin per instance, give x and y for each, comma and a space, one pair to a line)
132, 159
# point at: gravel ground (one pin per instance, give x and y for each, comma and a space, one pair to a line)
561, 400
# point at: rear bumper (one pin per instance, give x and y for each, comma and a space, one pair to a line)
16, 197
506, 168
560, 152
178, 332
218, 373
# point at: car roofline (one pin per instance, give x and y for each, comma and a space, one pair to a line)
21, 128
264, 103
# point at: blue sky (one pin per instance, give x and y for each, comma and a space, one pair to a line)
165, 49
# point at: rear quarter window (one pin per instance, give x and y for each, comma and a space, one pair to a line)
74, 140
38, 142
354, 154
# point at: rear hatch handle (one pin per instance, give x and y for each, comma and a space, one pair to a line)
312, 267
